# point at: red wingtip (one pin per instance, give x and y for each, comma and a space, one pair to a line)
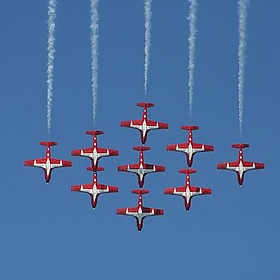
75, 188
168, 191
207, 191
76, 153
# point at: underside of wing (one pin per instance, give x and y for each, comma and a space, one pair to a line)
82, 188
151, 211
132, 211
228, 165
202, 147
132, 123
129, 167
175, 191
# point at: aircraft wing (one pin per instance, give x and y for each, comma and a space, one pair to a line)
153, 168
129, 168
229, 165
87, 152
187, 193
202, 148
184, 191
183, 147
132, 211
60, 163
139, 213
156, 125
88, 188
41, 162
94, 191
133, 124
252, 165
102, 152
147, 211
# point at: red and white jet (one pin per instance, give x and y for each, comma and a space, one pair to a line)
190, 148
140, 212
48, 163
144, 125
187, 191
94, 189
141, 169
240, 166
94, 153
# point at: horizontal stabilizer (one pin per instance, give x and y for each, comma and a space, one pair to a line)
90, 168
141, 148
238, 146
190, 127
48, 144
140, 191
145, 104
187, 171
94, 132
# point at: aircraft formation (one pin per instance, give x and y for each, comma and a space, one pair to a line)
141, 168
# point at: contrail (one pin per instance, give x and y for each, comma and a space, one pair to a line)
50, 64
94, 52
148, 16
242, 12
191, 39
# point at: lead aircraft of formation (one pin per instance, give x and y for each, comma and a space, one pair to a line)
140, 212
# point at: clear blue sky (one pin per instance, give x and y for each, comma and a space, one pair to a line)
48, 232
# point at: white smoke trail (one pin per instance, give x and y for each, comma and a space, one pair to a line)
191, 40
242, 12
148, 16
50, 63
94, 26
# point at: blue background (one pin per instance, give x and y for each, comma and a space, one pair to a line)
48, 232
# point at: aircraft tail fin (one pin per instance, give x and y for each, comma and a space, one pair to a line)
48, 143
94, 132
90, 168
187, 171
190, 127
240, 146
141, 148
140, 191
145, 104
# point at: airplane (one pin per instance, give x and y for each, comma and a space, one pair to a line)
240, 166
48, 163
190, 148
141, 169
144, 125
94, 153
187, 191
94, 189
140, 212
